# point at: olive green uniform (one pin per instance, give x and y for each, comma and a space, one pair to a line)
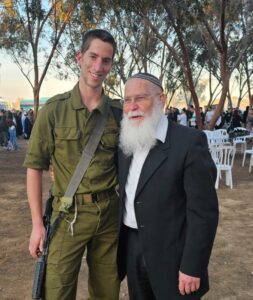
60, 133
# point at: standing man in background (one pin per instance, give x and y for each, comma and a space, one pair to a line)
168, 203
60, 133
182, 117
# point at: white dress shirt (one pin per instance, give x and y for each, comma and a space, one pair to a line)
182, 119
138, 160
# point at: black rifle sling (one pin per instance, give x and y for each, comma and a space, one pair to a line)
117, 112
87, 155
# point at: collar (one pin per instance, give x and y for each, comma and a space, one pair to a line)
161, 129
76, 98
77, 102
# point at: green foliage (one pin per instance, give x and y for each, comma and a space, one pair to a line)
168, 38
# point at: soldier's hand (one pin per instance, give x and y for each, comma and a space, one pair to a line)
37, 240
187, 284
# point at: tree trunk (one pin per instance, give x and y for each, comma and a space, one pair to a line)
36, 95
194, 99
251, 101
221, 103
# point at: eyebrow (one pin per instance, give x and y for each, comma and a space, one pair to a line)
104, 58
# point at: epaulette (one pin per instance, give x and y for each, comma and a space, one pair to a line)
116, 107
115, 103
60, 97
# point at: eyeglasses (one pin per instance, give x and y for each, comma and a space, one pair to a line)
138, 98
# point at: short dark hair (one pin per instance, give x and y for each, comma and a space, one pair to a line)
101, 34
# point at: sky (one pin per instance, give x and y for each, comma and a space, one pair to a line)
14, 85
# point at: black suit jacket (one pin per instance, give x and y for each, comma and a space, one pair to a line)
176, 210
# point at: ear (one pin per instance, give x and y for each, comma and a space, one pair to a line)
163, 99
79, 56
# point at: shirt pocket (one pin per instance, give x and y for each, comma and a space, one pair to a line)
109, 140
67, 143
66, 133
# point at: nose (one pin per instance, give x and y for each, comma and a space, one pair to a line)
98, 65
132, 106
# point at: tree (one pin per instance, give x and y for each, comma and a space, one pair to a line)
220, 20
175, 33
31, 32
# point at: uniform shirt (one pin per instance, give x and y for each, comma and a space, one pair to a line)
60, 133
134, 173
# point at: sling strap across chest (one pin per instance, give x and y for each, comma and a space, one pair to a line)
86, 157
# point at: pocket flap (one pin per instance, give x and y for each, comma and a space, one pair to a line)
66, 133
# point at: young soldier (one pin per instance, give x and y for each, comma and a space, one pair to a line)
60, 133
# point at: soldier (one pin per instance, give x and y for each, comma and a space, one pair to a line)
61, 131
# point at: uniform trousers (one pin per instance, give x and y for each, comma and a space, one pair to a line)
95, 230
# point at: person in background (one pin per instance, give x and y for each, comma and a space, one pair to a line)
209, 115
245, 116
171, 115
202, 116
23, 116
12, 144
4, 129
182, 117
168, 202
19, 128
236, 119
27, 125
189, 113
228, 118
192, 121
218, 123
249, 121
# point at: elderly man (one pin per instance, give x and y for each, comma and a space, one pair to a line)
169, 207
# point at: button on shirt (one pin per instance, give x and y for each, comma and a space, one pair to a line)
138, 160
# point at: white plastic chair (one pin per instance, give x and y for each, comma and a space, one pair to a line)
209, 135
215, 153
240, 129
223, 157
251, 163
246, 151
221, 135
240, 140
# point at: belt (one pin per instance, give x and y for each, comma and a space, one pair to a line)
95, 197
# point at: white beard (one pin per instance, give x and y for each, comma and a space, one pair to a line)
136, 137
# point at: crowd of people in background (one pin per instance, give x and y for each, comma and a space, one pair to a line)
14, 124
229, 119
17, 124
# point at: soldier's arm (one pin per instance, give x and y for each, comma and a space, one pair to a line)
34, 193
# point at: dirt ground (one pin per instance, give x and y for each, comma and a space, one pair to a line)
231, 265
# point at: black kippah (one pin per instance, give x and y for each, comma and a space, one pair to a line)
149, 77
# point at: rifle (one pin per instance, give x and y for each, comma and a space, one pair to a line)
40, 269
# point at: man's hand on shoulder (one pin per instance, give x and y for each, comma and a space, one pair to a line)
187, 284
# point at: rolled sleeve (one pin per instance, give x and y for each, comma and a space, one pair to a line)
41, 143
